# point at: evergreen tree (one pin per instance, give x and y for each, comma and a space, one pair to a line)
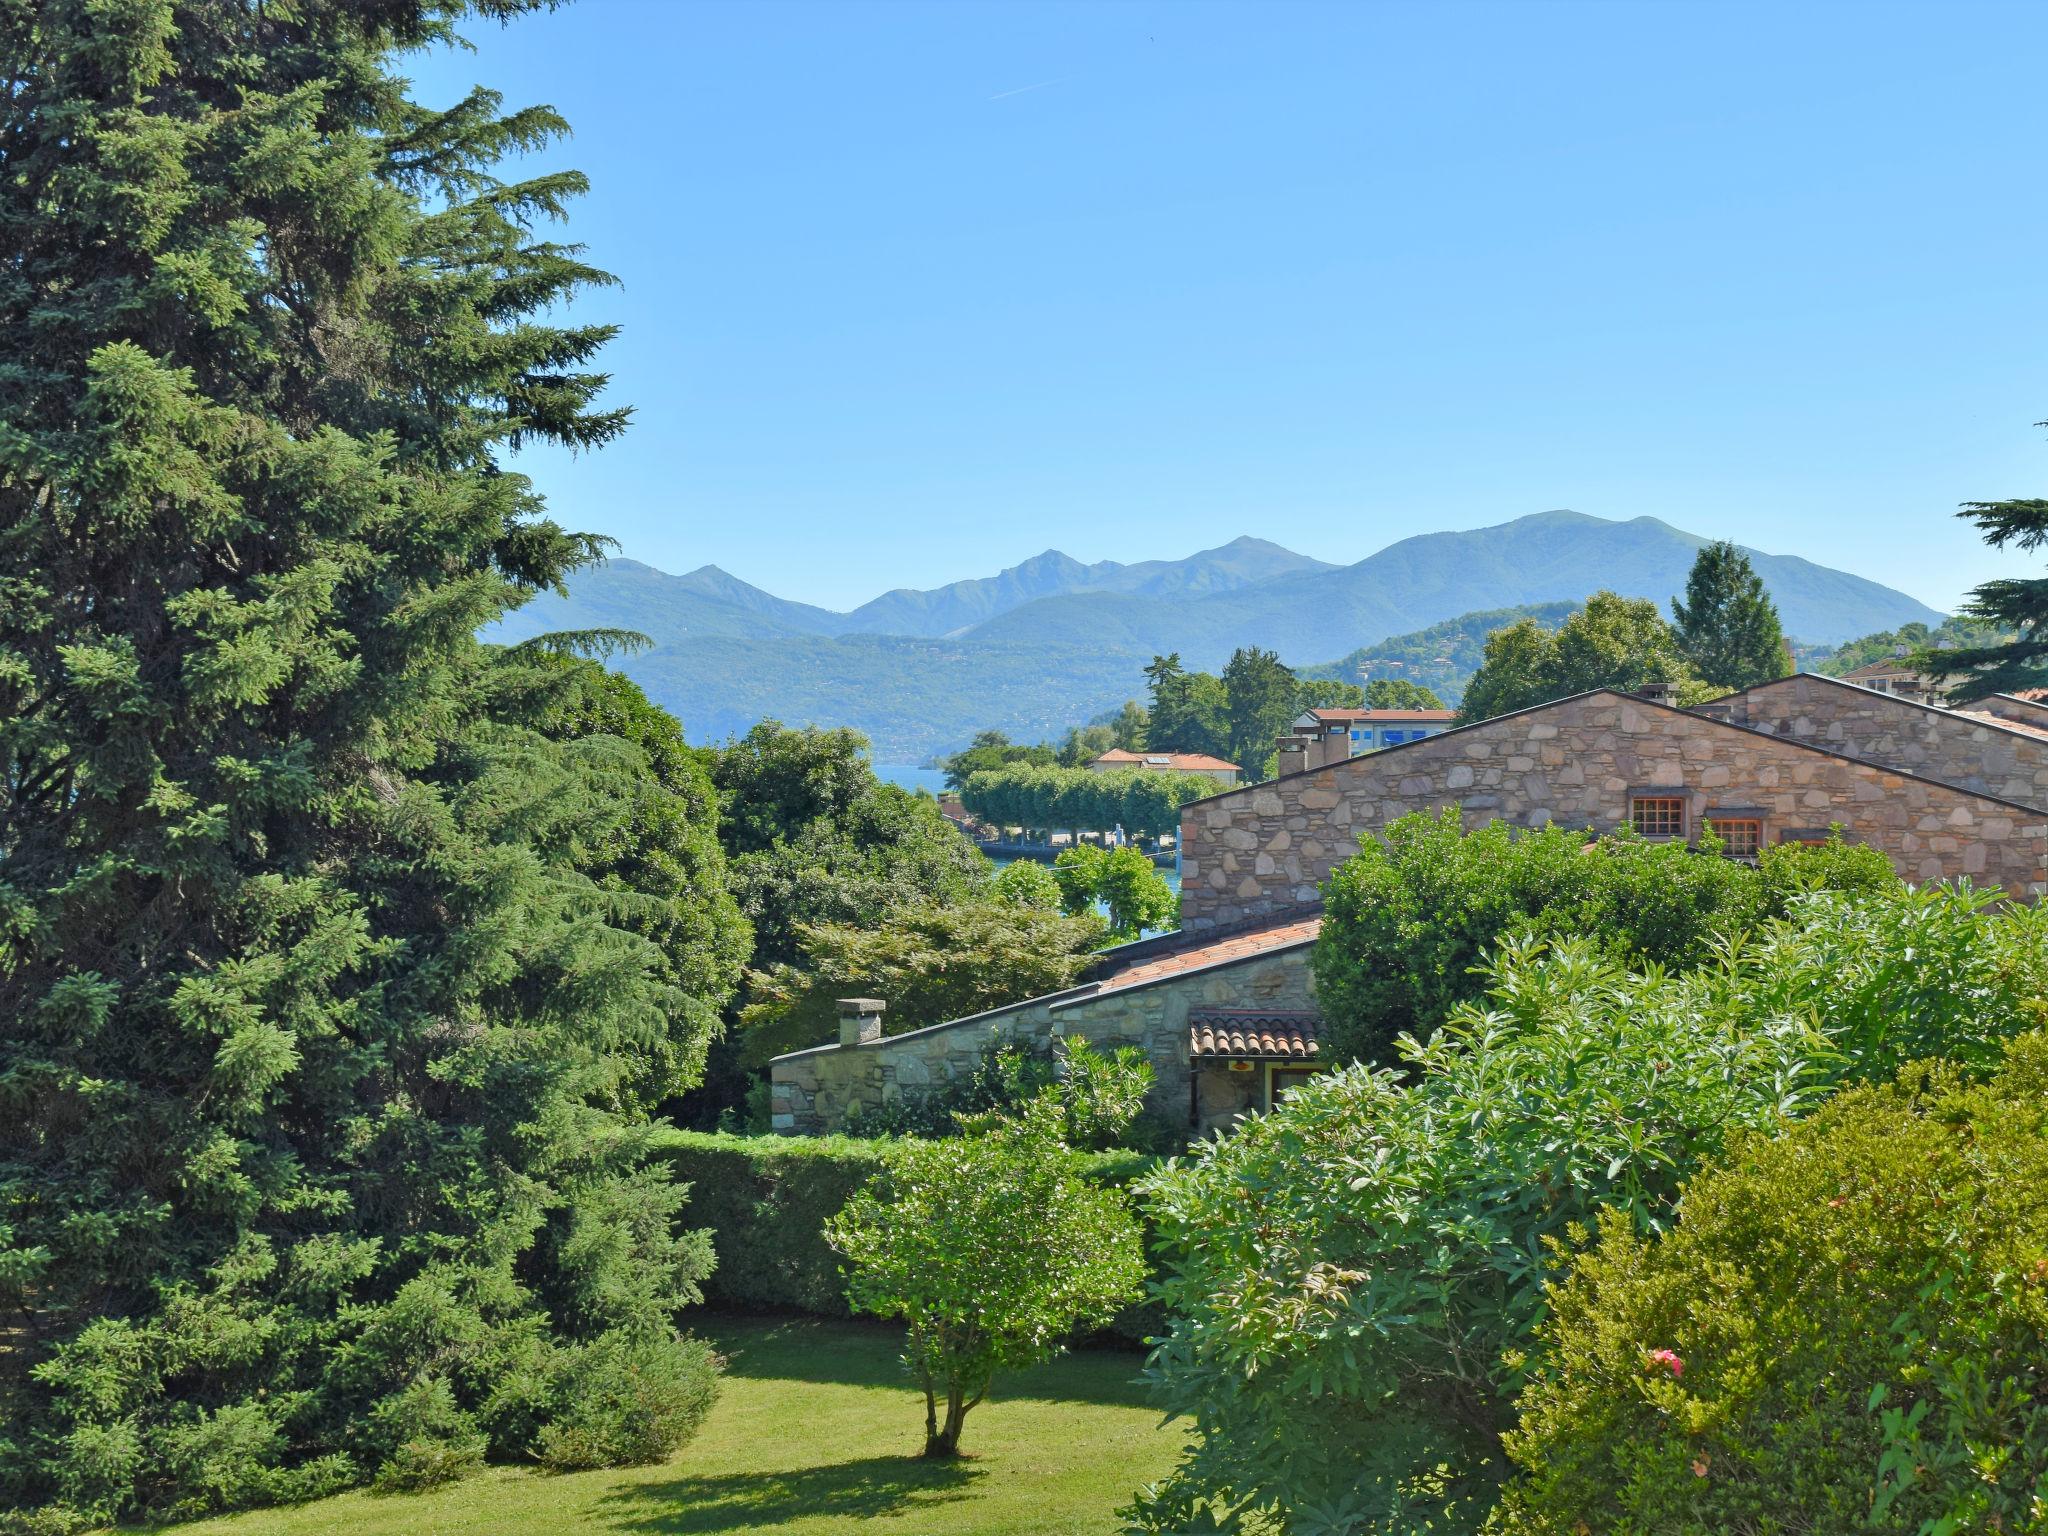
1261, 695
1727, 625
332, 962
2016, 604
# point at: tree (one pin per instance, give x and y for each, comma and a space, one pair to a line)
1399, 693
991, 749
1026, 883
328, 966
1126, 883
2016, 604
930, 964
1130, 725
1613, 642
1327, 693
1261, 695
1727, 626
1190, 711
992, 1249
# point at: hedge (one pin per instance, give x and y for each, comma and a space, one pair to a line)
766, 1198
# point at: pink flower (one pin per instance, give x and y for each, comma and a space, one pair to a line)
1668, 1358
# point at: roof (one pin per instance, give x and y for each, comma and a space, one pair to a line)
1388, 716
1199, 952
1183, 762
1233, 1034
1890, 666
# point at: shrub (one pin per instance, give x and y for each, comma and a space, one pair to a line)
1407, 921
992, 1248
1849, 1322
766, 1199
1025, 883
423, 1438
629, 1402
1358, 1280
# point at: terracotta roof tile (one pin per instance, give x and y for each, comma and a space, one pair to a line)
1238, 1035
1391, 716
1182, 762
1200, 952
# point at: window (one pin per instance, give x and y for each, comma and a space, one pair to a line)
1741, 836
1657, 815
1282, 1081
1358, 735
1394, 738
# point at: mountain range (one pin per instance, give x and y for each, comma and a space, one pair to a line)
1052, 641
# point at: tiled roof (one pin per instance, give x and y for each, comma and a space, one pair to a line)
1285, 1036
2023, 727
1185, 762
1200, 952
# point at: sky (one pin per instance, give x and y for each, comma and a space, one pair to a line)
909, 293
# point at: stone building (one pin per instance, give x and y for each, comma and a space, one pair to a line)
1225, 1007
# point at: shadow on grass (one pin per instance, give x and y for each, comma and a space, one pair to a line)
864, 1353
875, 1485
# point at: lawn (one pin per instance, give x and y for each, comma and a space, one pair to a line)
815, 1434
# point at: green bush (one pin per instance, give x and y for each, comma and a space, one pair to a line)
1846, 1331
1407, 921
628, 1403
1359, 1276
766, 1200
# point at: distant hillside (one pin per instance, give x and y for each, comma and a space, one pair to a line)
1051, 641
1442, 657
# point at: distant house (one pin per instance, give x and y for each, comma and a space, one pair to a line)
1117, 760
1324, 736
1897, 676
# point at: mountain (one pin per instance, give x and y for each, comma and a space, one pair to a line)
1545, 558
952, 609
1442, 657
1054, 641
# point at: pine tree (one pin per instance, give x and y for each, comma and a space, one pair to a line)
1261, 695
2017, 604
1727, 625
330, 970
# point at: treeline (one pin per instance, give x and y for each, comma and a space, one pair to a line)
1143, 802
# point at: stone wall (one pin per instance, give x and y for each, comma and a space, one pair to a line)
1268, 847
812, 1090
1958, 749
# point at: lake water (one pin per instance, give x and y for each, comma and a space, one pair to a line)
931, 780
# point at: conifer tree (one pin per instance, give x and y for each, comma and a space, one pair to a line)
2015, 603
330, 972
1727, 626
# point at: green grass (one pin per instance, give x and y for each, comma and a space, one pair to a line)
815, 1434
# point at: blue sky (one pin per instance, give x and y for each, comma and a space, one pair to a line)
912, 292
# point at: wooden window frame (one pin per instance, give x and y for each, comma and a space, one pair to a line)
1278, 1069
1679, 823
1716, 820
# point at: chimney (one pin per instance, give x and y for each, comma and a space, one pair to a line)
1293, 755
1657, 693
860, 1020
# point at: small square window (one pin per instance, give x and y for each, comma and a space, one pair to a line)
1657, 815
1740, 836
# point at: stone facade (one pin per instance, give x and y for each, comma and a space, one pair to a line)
1966, 750
813, 1090
1267, 848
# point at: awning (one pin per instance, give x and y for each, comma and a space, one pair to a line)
1253, 1035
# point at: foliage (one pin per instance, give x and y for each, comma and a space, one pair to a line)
1261, 694
765, 1200
989, 751
1613, 642
1400, 693
1726, 624
1883, 646
338, 948
929, 964
1849, 1321
1144, 802
1027, 883
1327, 693
1442, 658
1190, 710
992, 1249
1408, 919
2017, 605
1125, 881
629, 1402
1360, 1274
813, 837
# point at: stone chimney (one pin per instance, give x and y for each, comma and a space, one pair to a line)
1658, 693
1293, 754
860, 1020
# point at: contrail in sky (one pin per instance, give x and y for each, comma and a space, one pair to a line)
1020, 90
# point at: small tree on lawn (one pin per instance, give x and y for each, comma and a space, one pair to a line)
992, 1248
